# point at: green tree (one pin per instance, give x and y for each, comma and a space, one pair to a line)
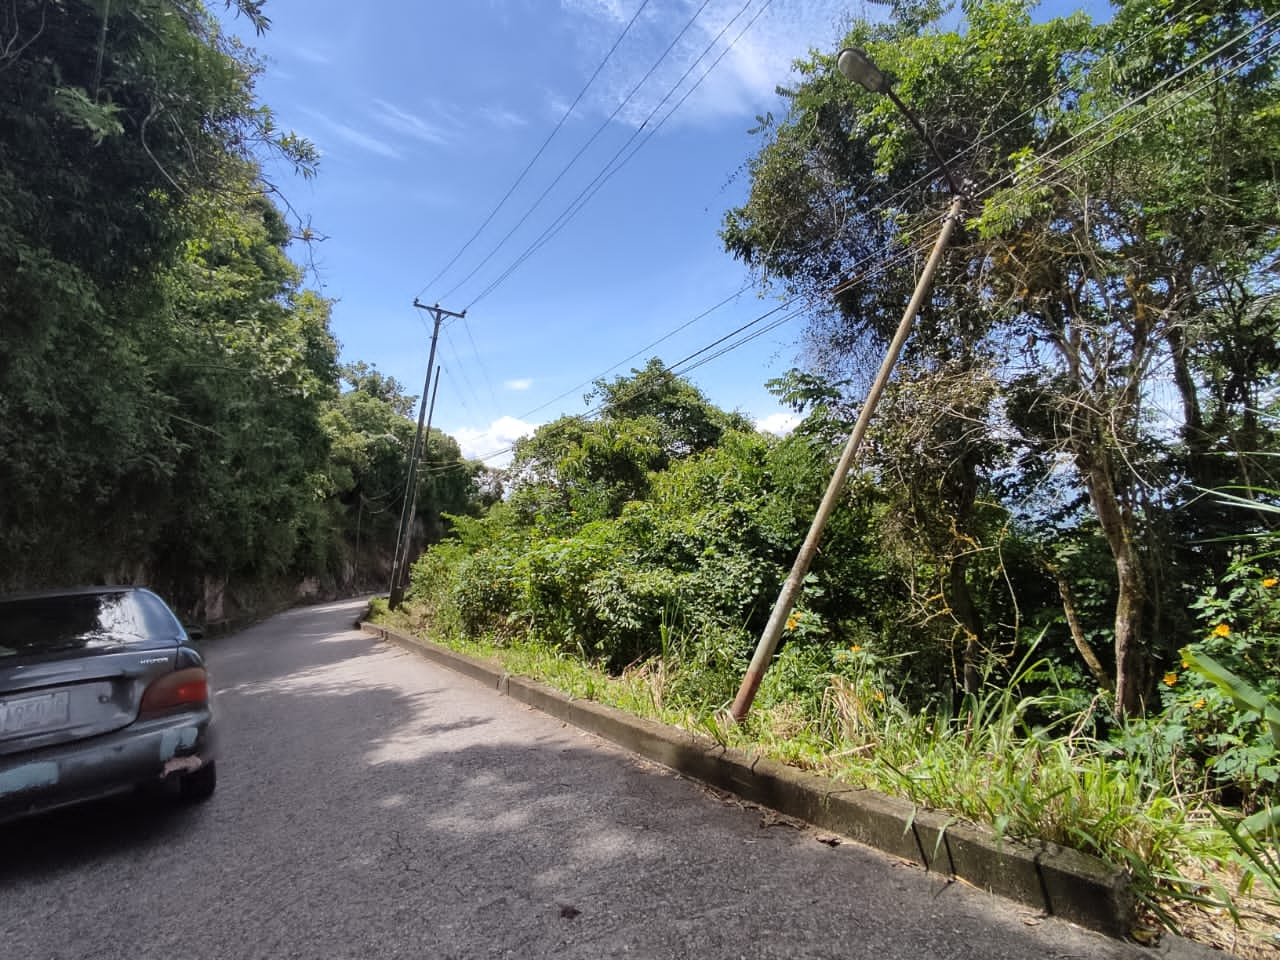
247, 371
591, 468
1085, 262
574, 470
687, 422
371, 431
162, 372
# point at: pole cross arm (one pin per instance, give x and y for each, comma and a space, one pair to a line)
438, 310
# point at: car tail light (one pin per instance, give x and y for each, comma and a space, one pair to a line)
182, 688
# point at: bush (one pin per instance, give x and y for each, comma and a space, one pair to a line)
1241, 618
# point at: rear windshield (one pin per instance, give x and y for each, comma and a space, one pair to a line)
79, 621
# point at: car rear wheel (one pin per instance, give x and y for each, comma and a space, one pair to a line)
199, 786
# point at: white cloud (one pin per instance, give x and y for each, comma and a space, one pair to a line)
557, 105
522, 384
757, 53
311, 55
617, 11
356, 137
779, 424
410, 124
502, 118
493, 443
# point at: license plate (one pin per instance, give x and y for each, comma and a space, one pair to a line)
34, 713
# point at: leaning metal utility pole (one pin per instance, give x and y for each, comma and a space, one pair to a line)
400, 559
855, 65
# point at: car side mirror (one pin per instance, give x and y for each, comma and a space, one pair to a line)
194, 632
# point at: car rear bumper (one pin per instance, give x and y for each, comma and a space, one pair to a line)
144, 752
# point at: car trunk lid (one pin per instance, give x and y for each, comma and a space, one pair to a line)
50, 702
76, 666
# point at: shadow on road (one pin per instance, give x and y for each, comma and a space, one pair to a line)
371, 806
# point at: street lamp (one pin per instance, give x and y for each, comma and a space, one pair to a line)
856, 66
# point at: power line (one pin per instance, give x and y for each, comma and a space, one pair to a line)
880, 268
1075, 155
890, 201
1062, 88
484, 371
1146, 94
1176, 100
1066, 86
461, 368
610, 169
612, 166
662, 339
581, 150
884, 265
538, 153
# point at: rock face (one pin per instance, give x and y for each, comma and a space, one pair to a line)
215, 593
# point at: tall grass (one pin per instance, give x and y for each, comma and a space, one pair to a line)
1021, 764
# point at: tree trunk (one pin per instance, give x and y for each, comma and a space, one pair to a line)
1118, 529
1077, 635
961, 603
963, 483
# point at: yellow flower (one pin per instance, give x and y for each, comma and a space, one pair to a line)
1222, 630
1170, 679
1199, 704
855, 648
880, 696
792, 623
1270, 582
1185, 664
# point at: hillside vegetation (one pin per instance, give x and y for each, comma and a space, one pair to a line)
1049, 600
171, 407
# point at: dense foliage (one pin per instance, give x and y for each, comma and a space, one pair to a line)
1102, 343
171, 408
654, 604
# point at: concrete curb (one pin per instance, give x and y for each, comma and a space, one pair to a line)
1057, 880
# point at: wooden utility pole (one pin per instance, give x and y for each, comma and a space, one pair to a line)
400, 559
407, 550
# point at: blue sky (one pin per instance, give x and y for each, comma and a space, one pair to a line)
425, 115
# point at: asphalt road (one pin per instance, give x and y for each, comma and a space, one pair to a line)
373, 805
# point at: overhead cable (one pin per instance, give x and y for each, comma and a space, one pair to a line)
578, 155
538, 153
612, 165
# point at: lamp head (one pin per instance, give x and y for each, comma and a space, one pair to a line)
857, 66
